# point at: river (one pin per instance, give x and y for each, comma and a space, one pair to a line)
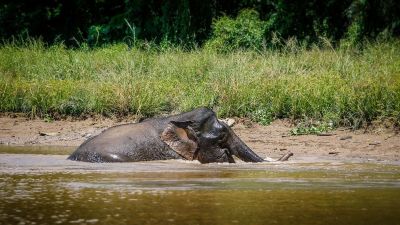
39, 186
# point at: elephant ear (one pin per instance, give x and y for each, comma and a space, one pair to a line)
181, 138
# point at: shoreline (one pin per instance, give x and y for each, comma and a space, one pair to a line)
274, 140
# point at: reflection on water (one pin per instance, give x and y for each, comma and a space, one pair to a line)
47, 189
45, 150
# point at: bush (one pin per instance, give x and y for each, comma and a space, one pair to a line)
246, 31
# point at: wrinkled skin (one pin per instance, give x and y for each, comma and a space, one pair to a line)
196, 135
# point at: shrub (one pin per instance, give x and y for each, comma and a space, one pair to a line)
246, 31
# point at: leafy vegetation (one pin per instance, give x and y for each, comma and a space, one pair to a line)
336, 62
343, 86
308, 127
245, 32
189, 22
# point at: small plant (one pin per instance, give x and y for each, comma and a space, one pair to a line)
48, 118
262, 116
353, 36
98, 35
305, 128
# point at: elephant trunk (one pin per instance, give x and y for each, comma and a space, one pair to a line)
242, 151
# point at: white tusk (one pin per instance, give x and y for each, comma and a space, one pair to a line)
229, 121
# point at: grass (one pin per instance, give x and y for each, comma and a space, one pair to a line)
336, 86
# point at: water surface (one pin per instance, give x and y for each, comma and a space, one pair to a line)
48, 189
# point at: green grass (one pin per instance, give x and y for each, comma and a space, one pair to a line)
341, 87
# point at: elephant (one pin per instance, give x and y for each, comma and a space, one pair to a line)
195, 135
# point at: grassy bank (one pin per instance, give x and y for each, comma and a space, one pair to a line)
343, 86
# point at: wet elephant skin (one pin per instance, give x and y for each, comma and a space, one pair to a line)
195, 135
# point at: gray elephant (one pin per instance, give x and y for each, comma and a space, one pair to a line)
196, 135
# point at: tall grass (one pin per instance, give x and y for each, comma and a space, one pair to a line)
343, 86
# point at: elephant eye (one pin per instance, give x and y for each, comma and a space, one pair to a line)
223, 137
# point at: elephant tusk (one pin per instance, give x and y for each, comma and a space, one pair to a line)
285, 157
229, 121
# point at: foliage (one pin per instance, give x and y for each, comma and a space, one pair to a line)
189, 23
345, 86
262, 115
304, 128
244, 32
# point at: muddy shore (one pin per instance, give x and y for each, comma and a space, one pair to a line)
274, 140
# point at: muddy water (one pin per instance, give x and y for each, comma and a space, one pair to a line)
48, 189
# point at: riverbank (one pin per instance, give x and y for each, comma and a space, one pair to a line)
335, 87
274, 140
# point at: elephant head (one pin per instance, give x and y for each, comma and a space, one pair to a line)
203, 137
